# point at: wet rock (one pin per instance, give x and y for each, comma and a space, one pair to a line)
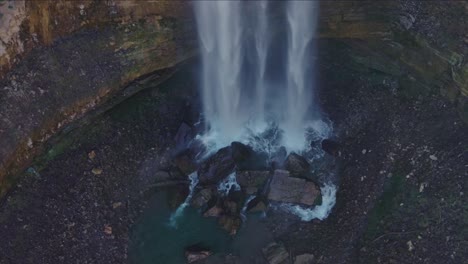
254, 179
185, 162
304, 259
196, 253
231, 207
296, 164
256, 205
276, 254
292, 190
217, 167
202, 198
331, 147
230, 223
214, 211
246, 158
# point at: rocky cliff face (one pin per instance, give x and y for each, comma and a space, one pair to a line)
415, 48
61, 59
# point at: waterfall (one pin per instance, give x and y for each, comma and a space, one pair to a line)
257, 81
193, 177
241, 98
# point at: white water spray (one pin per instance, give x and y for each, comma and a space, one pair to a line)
243, 212
225, 186
318, 212
193, 177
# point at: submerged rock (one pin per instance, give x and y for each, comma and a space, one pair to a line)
217, 167
276, 254
196, 253
296, 164
292, 190
230, 223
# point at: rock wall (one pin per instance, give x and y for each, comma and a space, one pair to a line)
61, 59
416, 48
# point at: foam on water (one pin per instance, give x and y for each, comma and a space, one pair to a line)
318, 212
225, 186
244, 208
193, 177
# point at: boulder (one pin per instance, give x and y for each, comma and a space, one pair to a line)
185, 162
296, 164
276, 253
196, 253
214, 211
331, 147
230, 223
256, 206
254, 179
246, 158
304, 259
202, 198
217, 167
292, 190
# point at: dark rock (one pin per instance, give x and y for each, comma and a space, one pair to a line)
196, 253
185, 162
230, 223
246, 158
292, 190
202, 198
214, 211
297, 165
254, 179
331, 147
217, 167
161, 176
304, 259
276, 254
256, 205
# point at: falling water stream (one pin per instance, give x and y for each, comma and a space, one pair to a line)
248, 96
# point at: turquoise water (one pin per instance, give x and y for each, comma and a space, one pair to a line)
153, 240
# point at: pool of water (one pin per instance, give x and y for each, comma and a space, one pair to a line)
154, 240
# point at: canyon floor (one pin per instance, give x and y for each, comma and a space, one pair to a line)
402, 173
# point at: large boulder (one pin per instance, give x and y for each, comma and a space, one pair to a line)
297, 165
276, 254
217, 167
284, 188
246, 158
196, 253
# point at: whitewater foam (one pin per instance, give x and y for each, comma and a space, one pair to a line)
193, 177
